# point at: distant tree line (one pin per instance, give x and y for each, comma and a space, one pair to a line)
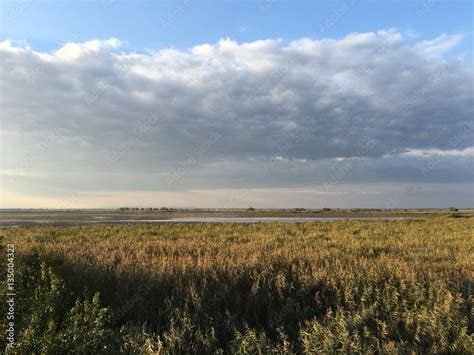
162, 209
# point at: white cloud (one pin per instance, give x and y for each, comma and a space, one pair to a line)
428, 153
74, 51
308, 104
439, 45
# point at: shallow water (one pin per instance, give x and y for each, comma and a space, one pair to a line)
64, 220
247, 219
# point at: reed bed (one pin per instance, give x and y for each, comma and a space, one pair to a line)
314, 287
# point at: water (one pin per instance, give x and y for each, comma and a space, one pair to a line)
51, 219
247, 219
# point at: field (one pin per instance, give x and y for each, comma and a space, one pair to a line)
349, 286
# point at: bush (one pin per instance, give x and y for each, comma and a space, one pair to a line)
49, 328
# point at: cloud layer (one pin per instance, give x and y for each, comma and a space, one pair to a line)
363, 108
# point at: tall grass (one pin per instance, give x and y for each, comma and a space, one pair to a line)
350, 286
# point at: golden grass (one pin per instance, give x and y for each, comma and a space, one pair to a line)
401, 285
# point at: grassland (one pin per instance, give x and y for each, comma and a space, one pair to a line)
348, 286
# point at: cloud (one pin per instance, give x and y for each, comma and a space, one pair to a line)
74, 51
285, 113
440, 45
427, 153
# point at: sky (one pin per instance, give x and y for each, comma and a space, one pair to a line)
228, 104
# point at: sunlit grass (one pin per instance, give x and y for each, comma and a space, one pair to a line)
400, 285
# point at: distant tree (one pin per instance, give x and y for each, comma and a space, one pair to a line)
250, 209
452, 209
325, 209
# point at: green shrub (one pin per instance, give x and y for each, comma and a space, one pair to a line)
49, 328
